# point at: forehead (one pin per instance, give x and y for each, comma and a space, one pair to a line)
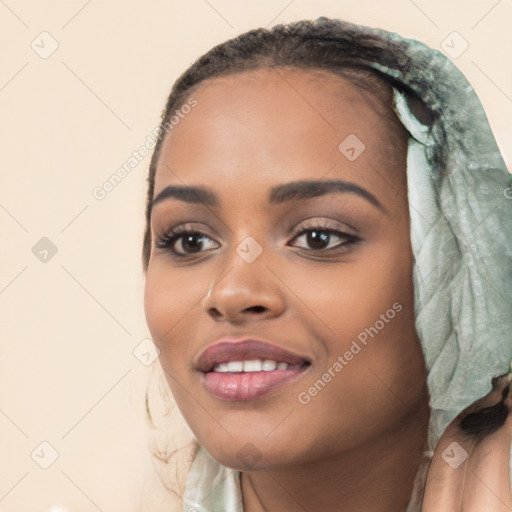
271, 122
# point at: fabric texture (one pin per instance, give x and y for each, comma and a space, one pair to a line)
212, 487
461, 236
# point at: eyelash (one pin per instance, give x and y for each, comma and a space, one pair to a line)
168, 240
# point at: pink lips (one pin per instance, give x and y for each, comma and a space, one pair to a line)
247, 385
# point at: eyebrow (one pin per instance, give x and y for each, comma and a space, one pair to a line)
293, 191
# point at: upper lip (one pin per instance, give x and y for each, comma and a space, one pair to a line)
226, 350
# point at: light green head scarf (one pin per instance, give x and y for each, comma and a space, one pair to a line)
461, 235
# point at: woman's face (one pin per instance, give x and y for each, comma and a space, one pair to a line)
323, 272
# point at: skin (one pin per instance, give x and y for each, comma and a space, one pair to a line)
357, 444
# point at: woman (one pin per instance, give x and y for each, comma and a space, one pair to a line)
328, 266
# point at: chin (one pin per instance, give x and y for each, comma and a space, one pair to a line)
246, 454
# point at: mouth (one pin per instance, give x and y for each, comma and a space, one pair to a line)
249, 369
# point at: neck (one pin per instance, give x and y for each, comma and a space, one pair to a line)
377, 476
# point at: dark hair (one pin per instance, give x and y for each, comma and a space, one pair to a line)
325, 44
484, 421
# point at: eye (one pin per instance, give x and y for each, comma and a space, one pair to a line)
180, 242
321, 238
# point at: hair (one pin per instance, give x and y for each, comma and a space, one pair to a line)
324, 44
487, 420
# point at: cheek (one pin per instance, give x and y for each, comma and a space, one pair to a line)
351, 296
167, 312
159, 305
367, 312
170, 306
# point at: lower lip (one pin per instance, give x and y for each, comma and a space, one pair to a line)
250, 385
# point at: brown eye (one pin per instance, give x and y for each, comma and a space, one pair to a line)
182, 242
320, 238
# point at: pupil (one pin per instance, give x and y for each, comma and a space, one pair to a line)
193, 242
318, 239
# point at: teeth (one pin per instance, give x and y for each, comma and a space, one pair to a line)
235, 366
269, 365
254, 365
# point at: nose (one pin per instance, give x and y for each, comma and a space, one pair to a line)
243, 292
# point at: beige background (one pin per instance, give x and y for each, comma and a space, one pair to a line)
69, 326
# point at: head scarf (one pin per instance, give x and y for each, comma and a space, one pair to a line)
460, 203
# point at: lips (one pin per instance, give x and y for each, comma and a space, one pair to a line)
226, 350
241, 385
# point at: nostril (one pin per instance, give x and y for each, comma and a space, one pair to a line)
256, 309
215, 313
